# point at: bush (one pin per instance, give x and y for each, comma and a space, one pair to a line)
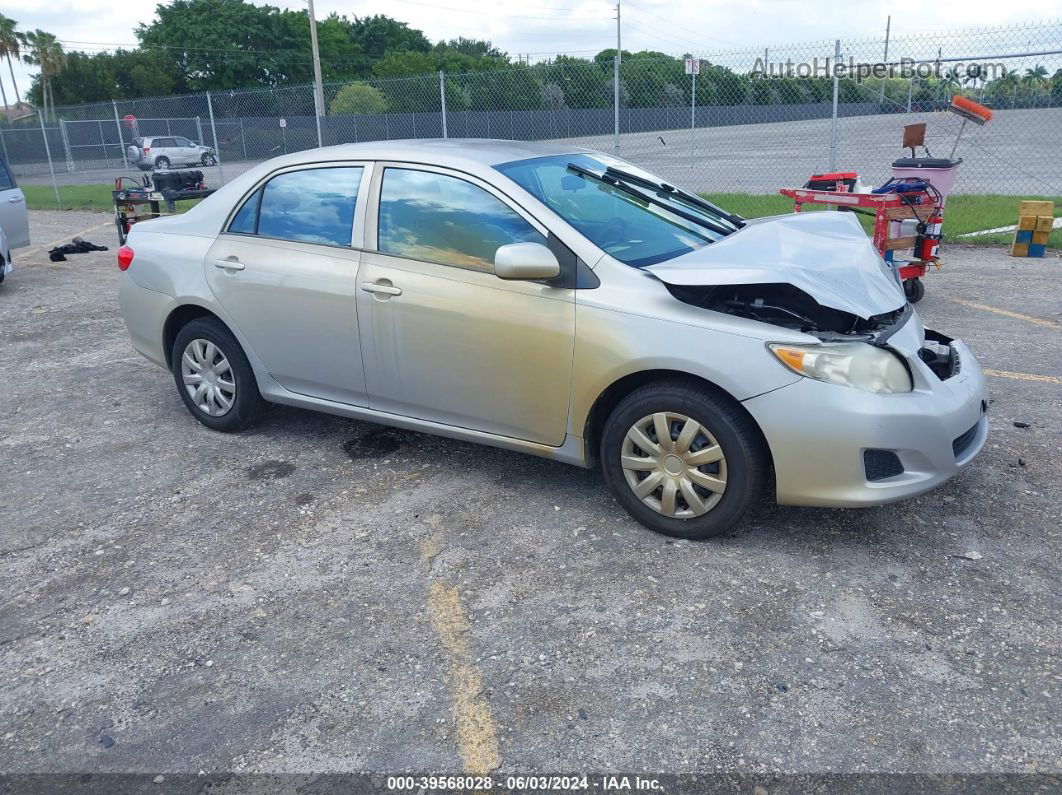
358, 98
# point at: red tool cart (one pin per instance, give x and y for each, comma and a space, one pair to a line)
923, 208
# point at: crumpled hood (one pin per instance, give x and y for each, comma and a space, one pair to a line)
825, 254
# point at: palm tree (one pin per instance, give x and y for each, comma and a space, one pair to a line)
46, 52
10, 47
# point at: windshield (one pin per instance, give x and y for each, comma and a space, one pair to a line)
637, 231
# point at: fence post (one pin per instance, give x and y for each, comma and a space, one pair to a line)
442, 100
66, 145
214, 135
615, 99
910, 86
833, 124
199, 129
317, 118
121, 142
243, 138
693, 111
48, 154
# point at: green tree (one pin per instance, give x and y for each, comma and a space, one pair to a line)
379, 35
11, 41
582, 83
45, 52
360, 98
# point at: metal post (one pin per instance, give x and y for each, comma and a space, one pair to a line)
66, 145
833, 124
214, 135
48, 154
693, 113
616, 78
910, 88
3, 146
121, 141
199, 129
243, 138
318, 89
442, 100
888, 26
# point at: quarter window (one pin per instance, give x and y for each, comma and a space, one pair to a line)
311, 206
443, 219
6, 183
246, 219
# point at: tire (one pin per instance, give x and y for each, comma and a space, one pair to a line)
162, 162
724, 428
246, 405
914, 289
209, 159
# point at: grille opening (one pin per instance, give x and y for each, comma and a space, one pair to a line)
881, 464
962, 443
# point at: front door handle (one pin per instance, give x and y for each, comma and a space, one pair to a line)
229, 264
384, 287
16, 199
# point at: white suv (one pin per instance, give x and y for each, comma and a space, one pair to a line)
164, 151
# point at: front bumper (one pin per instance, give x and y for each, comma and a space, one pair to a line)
818, 434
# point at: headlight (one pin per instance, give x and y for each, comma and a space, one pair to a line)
855, 364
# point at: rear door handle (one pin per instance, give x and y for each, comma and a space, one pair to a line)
229, 264
377, 287
16, 199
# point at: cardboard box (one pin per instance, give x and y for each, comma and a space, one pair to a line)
1027, 222
1037, 250
1025, 236
1019, 250
1036, 208
1039, 238
1044, 223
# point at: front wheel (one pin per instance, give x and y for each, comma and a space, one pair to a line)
683, 460
214, 378
209, 159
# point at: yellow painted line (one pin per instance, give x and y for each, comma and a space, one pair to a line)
1047, 379
1039, 321
477, 738
67, 238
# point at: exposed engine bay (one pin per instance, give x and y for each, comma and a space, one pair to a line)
790, 307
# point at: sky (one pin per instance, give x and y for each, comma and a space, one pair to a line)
540, 28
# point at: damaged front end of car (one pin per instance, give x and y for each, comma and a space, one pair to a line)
790, 307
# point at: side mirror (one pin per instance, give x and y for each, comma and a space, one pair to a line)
525, 261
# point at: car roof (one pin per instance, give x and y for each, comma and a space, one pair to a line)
439, 151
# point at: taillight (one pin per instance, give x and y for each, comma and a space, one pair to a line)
147, 149
125, 258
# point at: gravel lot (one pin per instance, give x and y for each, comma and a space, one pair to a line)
321, 594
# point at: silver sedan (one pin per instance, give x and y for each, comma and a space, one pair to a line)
561, 302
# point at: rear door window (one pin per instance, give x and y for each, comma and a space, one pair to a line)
311, 206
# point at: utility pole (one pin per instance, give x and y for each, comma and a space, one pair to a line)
616, 77
318, 89
888, 27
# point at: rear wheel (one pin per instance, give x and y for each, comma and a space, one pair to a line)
214, 378
683, 460
162, 163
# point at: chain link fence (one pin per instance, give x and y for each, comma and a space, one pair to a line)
750, 122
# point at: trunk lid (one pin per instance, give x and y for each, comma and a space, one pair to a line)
825, 254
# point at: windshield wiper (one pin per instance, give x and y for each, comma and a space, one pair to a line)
620, 184
692, 198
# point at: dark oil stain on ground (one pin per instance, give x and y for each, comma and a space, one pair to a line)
270, 470
374, 443
304, 499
